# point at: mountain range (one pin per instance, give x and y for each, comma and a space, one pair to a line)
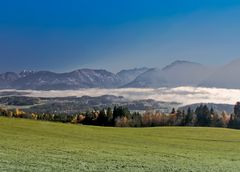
178, 73
82, 78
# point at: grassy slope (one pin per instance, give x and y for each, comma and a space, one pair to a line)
27, 145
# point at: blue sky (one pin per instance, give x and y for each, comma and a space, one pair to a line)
65, 35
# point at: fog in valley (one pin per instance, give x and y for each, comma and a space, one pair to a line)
183, 95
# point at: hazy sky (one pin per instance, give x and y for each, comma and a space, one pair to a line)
63, 35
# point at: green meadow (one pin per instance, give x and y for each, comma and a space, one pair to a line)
28, 145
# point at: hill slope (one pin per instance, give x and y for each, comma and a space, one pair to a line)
129, 75
178, 73
27, 145
225, 77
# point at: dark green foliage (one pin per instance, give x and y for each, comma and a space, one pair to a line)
122, 117
180, 116
212, 111
189, 117
135, 120
109, 116
217, 121
102, 118
203, 116
234, 121
237, 110
173, 111
90, 118
120, 111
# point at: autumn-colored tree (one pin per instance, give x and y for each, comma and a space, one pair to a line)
122, 122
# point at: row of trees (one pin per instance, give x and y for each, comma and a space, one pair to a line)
121, 117
201, 116
46, 117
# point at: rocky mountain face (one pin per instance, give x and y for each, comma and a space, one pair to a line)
83, 78
25, 73
7, 78
178, 73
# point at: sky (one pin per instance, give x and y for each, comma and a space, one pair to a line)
64, 35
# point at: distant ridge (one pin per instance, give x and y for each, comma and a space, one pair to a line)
226, 76
129, 75
178, 73
82, 78
180, 62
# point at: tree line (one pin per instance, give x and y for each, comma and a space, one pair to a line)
120, 116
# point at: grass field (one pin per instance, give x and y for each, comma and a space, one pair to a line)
27, 145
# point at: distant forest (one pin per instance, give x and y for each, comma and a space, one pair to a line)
120, 116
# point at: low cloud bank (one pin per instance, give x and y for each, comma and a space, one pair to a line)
184, 95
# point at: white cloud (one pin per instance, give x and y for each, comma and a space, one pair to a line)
184, 95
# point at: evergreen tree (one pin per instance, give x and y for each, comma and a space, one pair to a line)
217, 121
235, 118
231, 121
212, 112
173, 111
119, 112
237, 110
203, 115
189, 117
102, 118
109, 116
179, 121
89, 117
